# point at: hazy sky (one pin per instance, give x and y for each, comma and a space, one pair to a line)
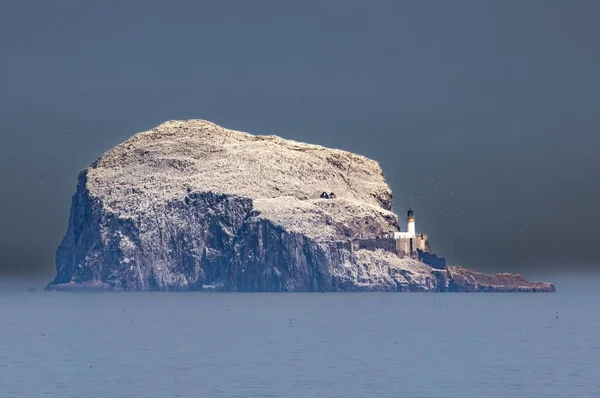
483, 115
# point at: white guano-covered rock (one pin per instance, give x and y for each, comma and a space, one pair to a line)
190, 205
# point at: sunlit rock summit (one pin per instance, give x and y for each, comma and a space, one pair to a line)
190, 205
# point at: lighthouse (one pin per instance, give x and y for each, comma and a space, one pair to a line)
410, 223
409, 244
410, 227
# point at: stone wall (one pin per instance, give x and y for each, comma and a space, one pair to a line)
403, 247
409, 246
388, 244
431, 259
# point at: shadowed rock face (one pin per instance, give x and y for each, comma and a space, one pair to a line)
193, 206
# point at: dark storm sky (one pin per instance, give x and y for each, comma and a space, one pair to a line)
483, 115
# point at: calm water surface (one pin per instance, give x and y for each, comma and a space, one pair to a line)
299, 345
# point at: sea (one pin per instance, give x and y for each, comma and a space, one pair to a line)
501, 345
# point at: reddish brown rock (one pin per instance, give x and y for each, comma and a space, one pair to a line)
464, 280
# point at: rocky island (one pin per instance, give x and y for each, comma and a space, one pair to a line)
190, 205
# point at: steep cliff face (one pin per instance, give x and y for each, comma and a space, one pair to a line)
190, 205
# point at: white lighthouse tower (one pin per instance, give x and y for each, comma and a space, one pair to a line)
410, 227
410, 223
